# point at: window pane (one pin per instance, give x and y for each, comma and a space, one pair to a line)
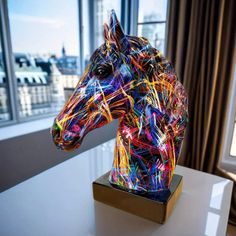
152, 10
86, 32
155, 33
4, 108
102, 11
45, 45
233, 145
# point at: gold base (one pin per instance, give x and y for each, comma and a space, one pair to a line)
138, 205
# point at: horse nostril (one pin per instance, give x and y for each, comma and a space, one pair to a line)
56, 130
57, 126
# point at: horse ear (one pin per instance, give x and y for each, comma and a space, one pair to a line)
117, 33
106, 32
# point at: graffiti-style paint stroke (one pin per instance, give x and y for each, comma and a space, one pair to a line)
129, 80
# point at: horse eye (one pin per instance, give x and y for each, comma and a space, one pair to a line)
102, 71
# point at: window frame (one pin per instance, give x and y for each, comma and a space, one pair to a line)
91, 8
11, 83
129, 19
227, 161
166, 22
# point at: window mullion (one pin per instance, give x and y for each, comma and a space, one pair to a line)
91, 25
81, 35
133, 17
152, 22
9, 60
125, 21
167, 26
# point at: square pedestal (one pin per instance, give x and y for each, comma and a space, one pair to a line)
141, 206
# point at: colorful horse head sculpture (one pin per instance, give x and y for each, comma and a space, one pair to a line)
129, 80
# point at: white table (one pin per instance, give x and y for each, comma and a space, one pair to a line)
58, 202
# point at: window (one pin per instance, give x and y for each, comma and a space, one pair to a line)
4, 108
102, 11
47, 44
228, 160
45, 48
152, 16
233, 143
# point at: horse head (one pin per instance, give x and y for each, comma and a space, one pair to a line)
129, 80
101, 95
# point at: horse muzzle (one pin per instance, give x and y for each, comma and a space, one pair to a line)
64, 139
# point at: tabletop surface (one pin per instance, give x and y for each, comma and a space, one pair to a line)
59, 202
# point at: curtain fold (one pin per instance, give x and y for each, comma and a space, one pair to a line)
201, 45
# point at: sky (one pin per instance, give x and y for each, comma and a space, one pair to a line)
156, 7
43, 26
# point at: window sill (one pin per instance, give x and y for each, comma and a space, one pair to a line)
229, 165
25, 128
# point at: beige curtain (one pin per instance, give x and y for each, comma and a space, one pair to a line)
201, 43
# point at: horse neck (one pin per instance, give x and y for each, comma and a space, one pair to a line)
135, 129
141, 142
135, 145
